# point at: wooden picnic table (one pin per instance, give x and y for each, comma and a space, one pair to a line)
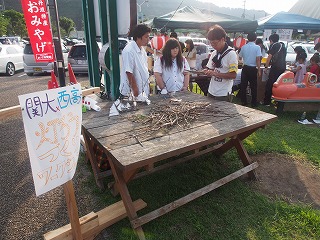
128, 153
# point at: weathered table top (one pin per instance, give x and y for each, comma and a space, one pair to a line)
116, 133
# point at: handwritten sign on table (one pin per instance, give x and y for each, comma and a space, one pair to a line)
52, 123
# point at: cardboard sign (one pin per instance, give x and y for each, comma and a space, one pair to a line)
39, 30
52, 123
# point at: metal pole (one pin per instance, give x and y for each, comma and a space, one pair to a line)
114, 46
104, 39
91, 44
58, 49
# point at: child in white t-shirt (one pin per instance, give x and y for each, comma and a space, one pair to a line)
301, 69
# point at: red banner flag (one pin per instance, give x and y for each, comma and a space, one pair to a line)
39, 30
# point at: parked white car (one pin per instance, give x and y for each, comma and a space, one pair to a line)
31, 66
11, 59
291, 55
203, 52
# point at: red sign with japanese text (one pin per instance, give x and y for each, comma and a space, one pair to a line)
39, 30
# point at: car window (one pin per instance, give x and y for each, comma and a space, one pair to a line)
290, 49
79, 51
122, 43
310, 50
28, 49
201, 49
11, 50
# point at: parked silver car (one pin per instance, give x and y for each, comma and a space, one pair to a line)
31, 66
10, 59
78, 58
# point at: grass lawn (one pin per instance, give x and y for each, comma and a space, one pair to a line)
235, 210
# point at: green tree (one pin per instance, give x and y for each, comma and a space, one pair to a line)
67, 24
16, 23
3, 25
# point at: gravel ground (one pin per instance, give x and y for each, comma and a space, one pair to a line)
23, 216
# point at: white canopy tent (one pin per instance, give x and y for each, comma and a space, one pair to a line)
308, 8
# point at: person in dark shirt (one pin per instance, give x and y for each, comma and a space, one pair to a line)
277, 60
175, 35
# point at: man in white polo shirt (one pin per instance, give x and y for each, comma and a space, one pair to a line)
134, 71
222, 65
251, 54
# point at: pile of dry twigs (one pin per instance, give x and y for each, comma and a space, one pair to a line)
177, 113
164, 117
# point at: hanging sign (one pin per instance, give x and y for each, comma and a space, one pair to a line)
285, 34
39, 30
52, 123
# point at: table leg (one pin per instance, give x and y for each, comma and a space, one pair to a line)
237, 143
244, 156
230, 144
91, 156
126, 198
113, 186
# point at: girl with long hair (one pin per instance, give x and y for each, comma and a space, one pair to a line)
190, 53
171, 70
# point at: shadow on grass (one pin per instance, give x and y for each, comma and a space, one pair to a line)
233, 211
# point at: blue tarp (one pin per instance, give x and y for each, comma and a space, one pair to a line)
284, 20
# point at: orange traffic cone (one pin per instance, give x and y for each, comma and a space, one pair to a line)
72, 77
53, 82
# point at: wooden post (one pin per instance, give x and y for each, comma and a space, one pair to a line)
72, 210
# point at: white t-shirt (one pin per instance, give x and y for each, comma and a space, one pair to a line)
219, 87
173, 77
135, 61
299, 76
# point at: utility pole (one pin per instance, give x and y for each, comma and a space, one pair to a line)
140, 13
244, 9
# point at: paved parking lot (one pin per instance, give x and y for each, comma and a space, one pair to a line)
23, 216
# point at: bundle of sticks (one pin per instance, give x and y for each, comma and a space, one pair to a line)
177, 113
164, 117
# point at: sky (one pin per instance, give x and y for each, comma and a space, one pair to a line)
270, 6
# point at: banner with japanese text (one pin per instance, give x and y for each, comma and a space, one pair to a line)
52, 122
39, 30
284, 34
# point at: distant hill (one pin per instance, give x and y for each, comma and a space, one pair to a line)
66, 8
156, 8
153, 8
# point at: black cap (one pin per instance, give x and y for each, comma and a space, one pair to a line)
317, 46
